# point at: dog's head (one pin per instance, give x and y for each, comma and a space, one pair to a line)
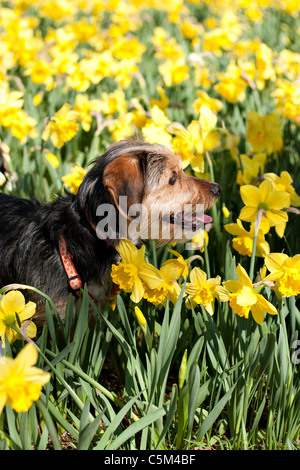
139, 190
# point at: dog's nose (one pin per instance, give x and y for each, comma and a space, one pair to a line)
216, 189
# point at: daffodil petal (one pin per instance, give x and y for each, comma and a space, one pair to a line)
27, 357
246, 297
266, 305
197, 276
280, 229
31, 330
243, 276
3, 399
276, 217
13, 302
258, 313
274, 261
137, 291
232, 286
236, 229
248, 213
251, 195
210, 308
278, 200
265, 188
125, 249
38, 376
222, 294
28, 311
151, 276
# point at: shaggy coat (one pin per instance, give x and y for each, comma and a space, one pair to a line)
30, 231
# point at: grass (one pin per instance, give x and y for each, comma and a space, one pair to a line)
190, 380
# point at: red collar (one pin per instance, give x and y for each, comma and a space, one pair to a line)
74, 279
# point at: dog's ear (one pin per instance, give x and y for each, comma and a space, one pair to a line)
123, 177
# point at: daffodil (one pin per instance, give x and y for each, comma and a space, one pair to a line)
163, 102
202, 291
178, 263
243, 298
133, 273
265, 197
287, 99
62, 127
168, 288
174, 71
84, 108
12, 305
191, 143
113, 102
284, 182
200, 240
243, 240
155, 130
231, 85
264, 132
74, 179
285, 271
264, 65
20, 382
52, 159
203, 98
40, 71
252, 167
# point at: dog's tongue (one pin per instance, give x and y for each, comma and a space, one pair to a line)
203, 218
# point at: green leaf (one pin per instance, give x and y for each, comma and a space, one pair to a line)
136, 427
108, 434
87, 430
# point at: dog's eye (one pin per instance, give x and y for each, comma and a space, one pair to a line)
173, 179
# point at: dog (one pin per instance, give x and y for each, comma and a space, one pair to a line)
58, 247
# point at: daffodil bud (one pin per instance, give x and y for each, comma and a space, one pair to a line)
182, 370
140, 317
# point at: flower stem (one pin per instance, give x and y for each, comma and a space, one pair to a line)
253, 254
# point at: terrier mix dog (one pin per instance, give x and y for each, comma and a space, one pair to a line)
60, 246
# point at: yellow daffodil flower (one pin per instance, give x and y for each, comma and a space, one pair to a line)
243, 240
178, 263
112, 103
168, 288
155, 129
163, 102
284, 183
252, 167
268, 198
231, 85
83, 107
52, 159
287, 99
264, 132
243, 299
202, 291
74, 179
12, 304
191, 143
285, 271
203, 98
174, 71
133, 273
20, 382
200, 240
62, 127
